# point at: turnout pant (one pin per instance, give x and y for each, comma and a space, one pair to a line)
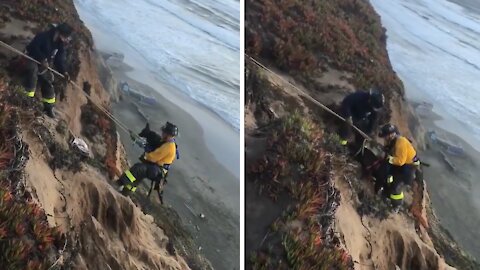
44, 79
132, 177
397, 177
405, 173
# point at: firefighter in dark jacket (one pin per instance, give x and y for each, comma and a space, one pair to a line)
48, 48
154, 164
360, 109
402, 162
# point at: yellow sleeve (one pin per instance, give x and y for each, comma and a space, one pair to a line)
401, 152
165, 154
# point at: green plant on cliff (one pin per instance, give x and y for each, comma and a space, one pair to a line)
303, 37
297, 163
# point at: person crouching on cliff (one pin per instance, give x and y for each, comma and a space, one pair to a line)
48, 48
402, 162
160, 152
360, 109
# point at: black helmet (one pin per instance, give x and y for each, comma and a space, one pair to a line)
377, 99
387, 130
65, 29
170, 129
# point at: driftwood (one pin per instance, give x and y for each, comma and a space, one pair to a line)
448, 161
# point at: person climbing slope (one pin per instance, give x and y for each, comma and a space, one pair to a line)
160, 153
402, 162
360, 109
48, 48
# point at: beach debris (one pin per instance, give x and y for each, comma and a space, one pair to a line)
114, 59
202, 216
197, 227
200, 248
124, 87
448, 161
137, 95
449, 147
81, 146
424, 109
144, 115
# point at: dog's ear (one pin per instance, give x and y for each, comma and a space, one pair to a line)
145, 131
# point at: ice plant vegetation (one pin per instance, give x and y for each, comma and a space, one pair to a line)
26, 239
297, 165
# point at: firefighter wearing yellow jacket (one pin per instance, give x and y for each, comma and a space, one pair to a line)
402, 163
160, 152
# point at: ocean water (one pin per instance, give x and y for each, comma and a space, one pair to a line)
192, 45
434, 46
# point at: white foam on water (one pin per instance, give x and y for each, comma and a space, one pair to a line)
191, 45
434, 46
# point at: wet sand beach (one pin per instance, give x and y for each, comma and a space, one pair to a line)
452, 181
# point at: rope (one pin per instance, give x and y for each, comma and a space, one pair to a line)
104, 110
309, 97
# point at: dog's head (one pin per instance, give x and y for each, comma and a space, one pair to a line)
154, 140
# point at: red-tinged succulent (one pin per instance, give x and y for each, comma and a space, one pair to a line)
20, 229
7, 197
33, 265
3, 232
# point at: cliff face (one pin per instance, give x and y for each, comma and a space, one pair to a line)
95, 226
326, 49
315, 40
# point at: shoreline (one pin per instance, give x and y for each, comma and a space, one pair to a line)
452, 191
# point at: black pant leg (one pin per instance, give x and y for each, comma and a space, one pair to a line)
345, 131
139, 171
48, 92
30, 77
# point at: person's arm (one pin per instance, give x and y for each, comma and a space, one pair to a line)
400, 157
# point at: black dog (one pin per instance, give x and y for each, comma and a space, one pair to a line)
373, 166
